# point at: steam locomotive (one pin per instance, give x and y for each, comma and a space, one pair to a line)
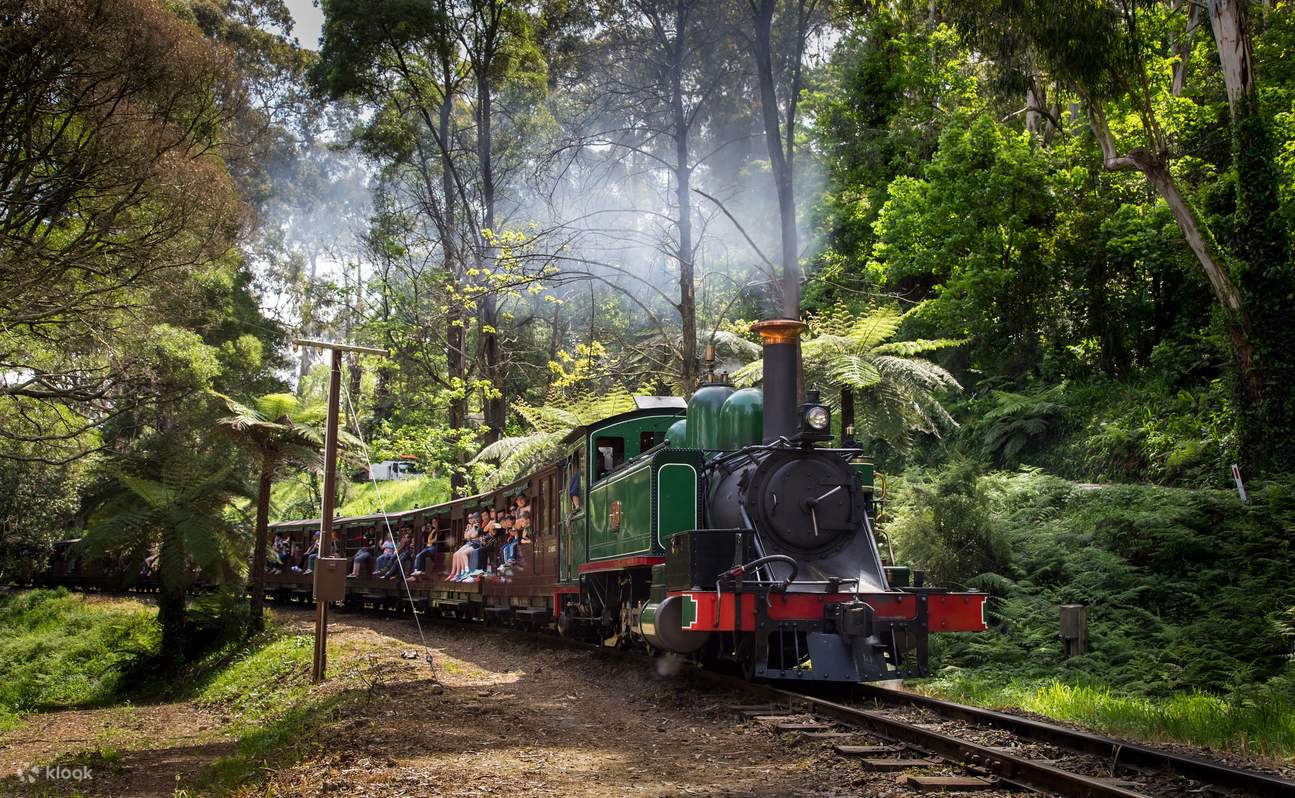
726, 529
755, 544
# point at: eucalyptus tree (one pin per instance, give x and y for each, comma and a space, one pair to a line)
781, 31
455, 86
663, 68
1110, 55
112, 190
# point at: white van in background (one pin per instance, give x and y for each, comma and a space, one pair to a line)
394, 469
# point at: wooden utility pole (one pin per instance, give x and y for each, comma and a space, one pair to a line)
325, 591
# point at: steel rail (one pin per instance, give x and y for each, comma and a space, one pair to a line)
1027, 774
1022, 772
1114, 751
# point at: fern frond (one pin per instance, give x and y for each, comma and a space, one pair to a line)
919, 347
853, 371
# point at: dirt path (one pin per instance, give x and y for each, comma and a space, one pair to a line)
502, 717
128, 750
535, 720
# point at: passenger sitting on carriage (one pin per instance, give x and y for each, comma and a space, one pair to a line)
386, 559
431, 532
295, 558
524, 523
508, 551
459, 563
403, 564
150, 562
363, 564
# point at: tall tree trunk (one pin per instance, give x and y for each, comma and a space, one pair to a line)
1182, 45
1036, 100
456, 359
780, 160
683, 194
1228, 19
847, 416
1264, 271
555, 336
495, 406
307, 321
1157, 173
171, 600
261, 544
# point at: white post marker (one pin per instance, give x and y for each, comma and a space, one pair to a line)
1241, 488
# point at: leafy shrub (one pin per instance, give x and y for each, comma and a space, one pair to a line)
62, 650
1186, 589
1017, 421
945, 525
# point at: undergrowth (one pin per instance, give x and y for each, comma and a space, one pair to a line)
60, 650
1190, 603
1263, 725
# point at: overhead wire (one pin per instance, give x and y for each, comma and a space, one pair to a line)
386, 520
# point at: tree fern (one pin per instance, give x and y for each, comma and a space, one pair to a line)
1019, 420
551, 424
896, 393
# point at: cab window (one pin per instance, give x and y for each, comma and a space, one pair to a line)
609, 452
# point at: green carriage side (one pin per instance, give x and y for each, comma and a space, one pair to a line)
641, 491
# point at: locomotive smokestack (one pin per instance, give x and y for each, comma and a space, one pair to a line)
779, 337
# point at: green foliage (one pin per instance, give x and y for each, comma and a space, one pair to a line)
1017, 421
896, 392
38, 504
59, 650
551, 424
1186, 589
946, 527
969, 230
1249, 722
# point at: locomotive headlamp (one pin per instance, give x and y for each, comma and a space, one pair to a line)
817, 418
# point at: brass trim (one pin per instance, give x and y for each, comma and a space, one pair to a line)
779, 331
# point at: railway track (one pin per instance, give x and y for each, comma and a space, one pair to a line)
938, 746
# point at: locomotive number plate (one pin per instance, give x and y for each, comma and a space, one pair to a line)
614, 516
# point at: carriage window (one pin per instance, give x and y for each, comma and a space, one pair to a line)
610, 452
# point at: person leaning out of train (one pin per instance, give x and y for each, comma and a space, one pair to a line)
524, 523
363, 563
573, 488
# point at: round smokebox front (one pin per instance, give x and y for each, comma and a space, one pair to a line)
806, 503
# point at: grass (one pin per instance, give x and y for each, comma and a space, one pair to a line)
60, 650
266, 688
293, 499
1263, 725
65, 650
